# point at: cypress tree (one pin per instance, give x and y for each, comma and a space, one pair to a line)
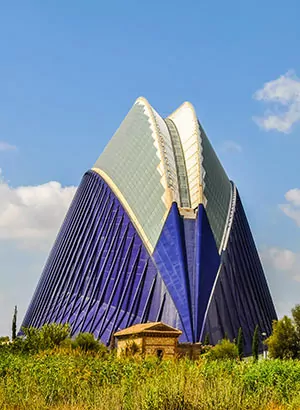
14, 324
206, 339
255, 342
240, 343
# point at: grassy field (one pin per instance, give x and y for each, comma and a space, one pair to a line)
69, 380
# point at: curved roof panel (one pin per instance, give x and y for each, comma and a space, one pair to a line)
216, 189
134, 163
186, 123
151, 162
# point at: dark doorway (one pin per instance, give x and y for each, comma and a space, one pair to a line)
160, 353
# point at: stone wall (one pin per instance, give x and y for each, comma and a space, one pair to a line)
168, 345
164, 347
126, 343
190, 350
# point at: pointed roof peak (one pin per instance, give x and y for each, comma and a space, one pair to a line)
186, 105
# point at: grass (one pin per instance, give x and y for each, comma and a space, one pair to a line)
71, 380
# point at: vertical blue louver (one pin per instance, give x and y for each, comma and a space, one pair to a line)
241, 297
99, 276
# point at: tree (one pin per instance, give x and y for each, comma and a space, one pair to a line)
284, 341
14, 324
240, 343
206, 340
255, 343
296, 319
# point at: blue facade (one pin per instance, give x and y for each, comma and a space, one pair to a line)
187, 260
100, 278
241, 297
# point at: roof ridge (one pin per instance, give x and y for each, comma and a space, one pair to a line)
141, 327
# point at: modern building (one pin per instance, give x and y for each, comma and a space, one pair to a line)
156, 233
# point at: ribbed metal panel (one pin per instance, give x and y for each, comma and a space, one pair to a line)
187, 259
241, 297
99, 276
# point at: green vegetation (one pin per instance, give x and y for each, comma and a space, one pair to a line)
240, 343
66, 378
54, 335
87, 343
284, 343
222, 351
255, 344
296, 319
46, 369
206, 340
14, 324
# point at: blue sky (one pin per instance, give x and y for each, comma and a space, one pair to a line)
70, 71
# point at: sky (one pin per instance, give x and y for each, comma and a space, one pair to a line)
69, 73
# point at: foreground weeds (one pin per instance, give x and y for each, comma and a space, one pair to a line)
70, 380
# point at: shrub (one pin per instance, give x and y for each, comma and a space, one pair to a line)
87, 342
47, 337
223, 350
205, 349
53, 334
131, 348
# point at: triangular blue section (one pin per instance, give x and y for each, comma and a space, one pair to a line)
187, 260
207, 261
170, 258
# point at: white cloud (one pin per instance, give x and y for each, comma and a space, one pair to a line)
4, 146
20, 272
282, 268
292, 208
32, 215
283, 260
284, 96
231, 146
293, 195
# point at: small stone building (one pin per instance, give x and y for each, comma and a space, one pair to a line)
154, 338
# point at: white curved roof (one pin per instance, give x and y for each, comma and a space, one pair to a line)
185, 120
134, 165
151, 162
